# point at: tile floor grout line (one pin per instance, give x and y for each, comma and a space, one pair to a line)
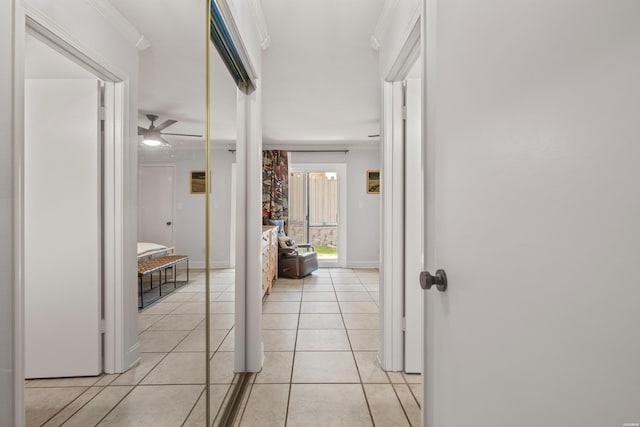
293, 362
65, 406
244, 408
364, 393
395, 392
193, 407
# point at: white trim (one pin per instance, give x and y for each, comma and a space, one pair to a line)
249, 353
261, 24
383, 24
18, 214
363, 264
409, 49
428, 50
232, 225
392, 236
120, 23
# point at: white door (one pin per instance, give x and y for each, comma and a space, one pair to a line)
155, 204
413, 245
533, 210
62, 226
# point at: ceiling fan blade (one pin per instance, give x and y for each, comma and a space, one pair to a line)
182, 134
141, 130
165, 124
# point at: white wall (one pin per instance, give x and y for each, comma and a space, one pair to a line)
363, 210
8, 364
189, 208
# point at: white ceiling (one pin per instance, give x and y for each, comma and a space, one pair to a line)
320, 75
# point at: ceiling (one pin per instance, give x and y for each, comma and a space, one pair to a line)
320, 75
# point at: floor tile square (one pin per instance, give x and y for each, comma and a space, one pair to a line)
98, 407
358, 307
155, 406
135, 374
353, 296
177, 322
385, 406
319, 307
43, 403
281, 307
279, 340
370, 370
321, 321
160, 341
178, 368
267, 406
361, 321
276, 368
325, 367
190, 308
195, 341
318, 288
364, 340
321, 405
280, 321
322, 340
318, 296
284, 296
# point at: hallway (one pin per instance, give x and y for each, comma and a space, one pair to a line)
320, 341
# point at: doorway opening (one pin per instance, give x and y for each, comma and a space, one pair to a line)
314, 210
63, 210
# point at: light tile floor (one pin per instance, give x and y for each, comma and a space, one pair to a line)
320, 340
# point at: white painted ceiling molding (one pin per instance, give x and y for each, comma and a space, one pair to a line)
384, 23
409, 49
261, 24
120, 23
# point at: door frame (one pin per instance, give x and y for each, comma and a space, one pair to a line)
117, 125
404, 55
341, 170
173, 195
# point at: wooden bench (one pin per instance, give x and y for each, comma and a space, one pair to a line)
158, 265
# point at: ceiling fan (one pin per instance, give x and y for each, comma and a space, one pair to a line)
153, 135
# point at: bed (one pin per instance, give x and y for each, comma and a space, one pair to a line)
148, 250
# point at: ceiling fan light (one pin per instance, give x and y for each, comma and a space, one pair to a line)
152, 141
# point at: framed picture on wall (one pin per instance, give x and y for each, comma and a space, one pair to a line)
373, 182
198, 182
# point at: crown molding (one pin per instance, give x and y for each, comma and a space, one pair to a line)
383, 24
120, 23
261, 24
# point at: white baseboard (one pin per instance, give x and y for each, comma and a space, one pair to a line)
132, 357
363, 264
